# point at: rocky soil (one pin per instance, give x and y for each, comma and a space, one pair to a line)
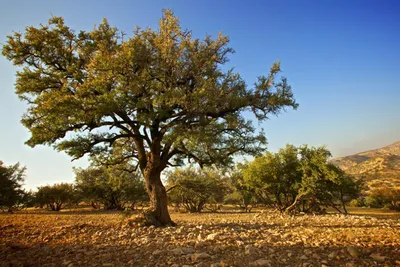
232, 239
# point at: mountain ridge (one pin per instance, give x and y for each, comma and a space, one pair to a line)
378, 167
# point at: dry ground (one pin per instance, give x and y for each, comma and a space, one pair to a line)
87, 238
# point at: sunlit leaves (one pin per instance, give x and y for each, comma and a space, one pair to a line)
159, 91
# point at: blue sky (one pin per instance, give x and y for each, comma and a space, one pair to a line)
341, 58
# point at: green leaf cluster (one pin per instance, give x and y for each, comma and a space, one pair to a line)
11, 181
300, 178
194, 188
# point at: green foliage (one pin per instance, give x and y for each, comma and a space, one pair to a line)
275, 178
300, 178
385, 196
242, 195
158, 82
112, 186
359, 202
11, 192
195, 188
56, 196
160, 97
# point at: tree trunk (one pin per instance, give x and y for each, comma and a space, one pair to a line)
343, 204
158, 214
295, 202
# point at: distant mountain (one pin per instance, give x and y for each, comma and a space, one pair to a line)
378, 167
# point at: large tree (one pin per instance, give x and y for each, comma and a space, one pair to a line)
161, 96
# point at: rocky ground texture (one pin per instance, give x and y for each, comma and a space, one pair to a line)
232, 239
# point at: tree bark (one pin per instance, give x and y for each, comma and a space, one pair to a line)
158, 214
295, 202
343, 204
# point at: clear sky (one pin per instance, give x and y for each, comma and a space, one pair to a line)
342, 59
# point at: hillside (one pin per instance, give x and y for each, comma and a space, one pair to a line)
378, 167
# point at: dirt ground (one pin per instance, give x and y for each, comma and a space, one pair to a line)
266, 238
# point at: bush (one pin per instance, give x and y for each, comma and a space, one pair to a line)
359, 202
194, 188
300, 178
11, 193
373, 202
384, 196
113, 187
56, 196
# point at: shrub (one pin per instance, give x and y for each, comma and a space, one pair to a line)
194, 188
11, 192
56, 196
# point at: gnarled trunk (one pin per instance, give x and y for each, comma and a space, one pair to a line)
158, 214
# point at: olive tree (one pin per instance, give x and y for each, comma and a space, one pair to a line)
161, 96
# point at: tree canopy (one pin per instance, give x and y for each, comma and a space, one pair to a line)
111, 186
56, 196
300, 178
195, 188
159, 98
11, 181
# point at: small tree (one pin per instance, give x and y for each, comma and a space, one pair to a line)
194, 189
55, 196
275, 178
300, 178
161, 95
242, 194
113, 187
384, 196
11, 192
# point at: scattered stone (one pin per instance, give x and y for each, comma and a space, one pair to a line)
353, 251
239, 243
250, 250
332, 255
66, 262
157, 252
378, 257
261, 262
182, 251
304, 257
200, 256
307, 252
212, 236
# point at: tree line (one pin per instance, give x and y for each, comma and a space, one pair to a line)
295, 179
112, 188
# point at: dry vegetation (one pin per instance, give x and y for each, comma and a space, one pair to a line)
378, 167
88, 238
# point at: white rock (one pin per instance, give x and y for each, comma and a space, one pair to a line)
212, 236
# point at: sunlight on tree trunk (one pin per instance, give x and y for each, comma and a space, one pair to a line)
158, 214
